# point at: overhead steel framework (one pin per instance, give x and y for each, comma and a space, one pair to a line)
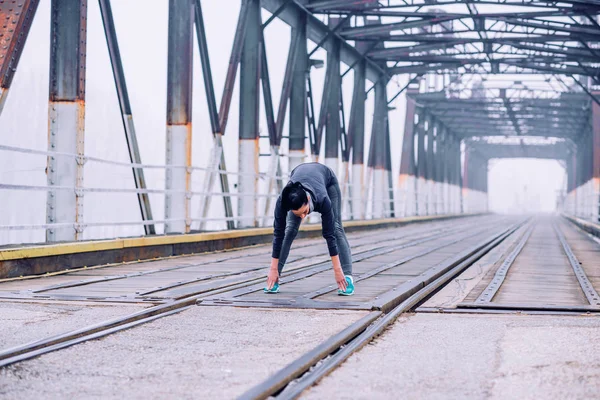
475, 73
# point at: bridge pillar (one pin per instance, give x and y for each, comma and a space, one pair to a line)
431, 132
419, 162
179, 116
66, 119
407, 180
377, 157
595, 126
474, 182
297, 124
423, 127
583, 170
333, 86
439, 169
356, 136
455, 174
248, 126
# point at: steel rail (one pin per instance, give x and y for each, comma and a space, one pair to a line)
292, 380
60, 341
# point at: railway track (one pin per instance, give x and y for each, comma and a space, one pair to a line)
531, 243
313, 265
176, 288
310, 368
542, 272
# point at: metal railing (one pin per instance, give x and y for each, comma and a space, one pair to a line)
583, 202
397, 202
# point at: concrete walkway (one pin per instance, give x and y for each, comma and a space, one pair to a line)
443, 356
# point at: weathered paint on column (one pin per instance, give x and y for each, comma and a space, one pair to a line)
595, 125
249, 108
297, 152
430, 183
332, 125
439, 168
377, 159
423, 128
407, 179
17, 18
450, 172
391, 207
126, 114
66, 117
179, 115
356, 136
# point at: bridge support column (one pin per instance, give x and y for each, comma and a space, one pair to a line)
66, 118
407, 180
297, 140
474, 182
248, 127
356, 135
333, 86
179, 116
377, 157
595, 125
422, 127
455, 175
439, 170
431, 133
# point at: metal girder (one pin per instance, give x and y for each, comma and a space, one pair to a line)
364, 32
17, 19
298, 106
562, 4
317, 30
332, 110
568, 4
582, 29
491, 151
385, 12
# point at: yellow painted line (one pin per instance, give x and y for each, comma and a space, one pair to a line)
58, 249
19, 253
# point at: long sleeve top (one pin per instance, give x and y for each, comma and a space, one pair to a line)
315, 178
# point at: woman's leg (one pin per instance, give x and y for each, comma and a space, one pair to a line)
335, 195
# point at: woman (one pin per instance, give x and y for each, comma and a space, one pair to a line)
312, 187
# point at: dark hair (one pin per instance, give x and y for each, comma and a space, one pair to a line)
293, 196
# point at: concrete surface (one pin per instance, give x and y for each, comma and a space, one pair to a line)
22, 322
202, 353
444, 356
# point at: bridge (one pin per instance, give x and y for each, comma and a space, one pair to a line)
136, 229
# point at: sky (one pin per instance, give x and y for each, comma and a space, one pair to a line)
143, 43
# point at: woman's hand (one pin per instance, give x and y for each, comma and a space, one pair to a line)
272, 278
340, 278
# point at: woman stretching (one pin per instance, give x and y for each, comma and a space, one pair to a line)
312, 187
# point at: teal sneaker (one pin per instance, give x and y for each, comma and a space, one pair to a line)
274, 289
349, 287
